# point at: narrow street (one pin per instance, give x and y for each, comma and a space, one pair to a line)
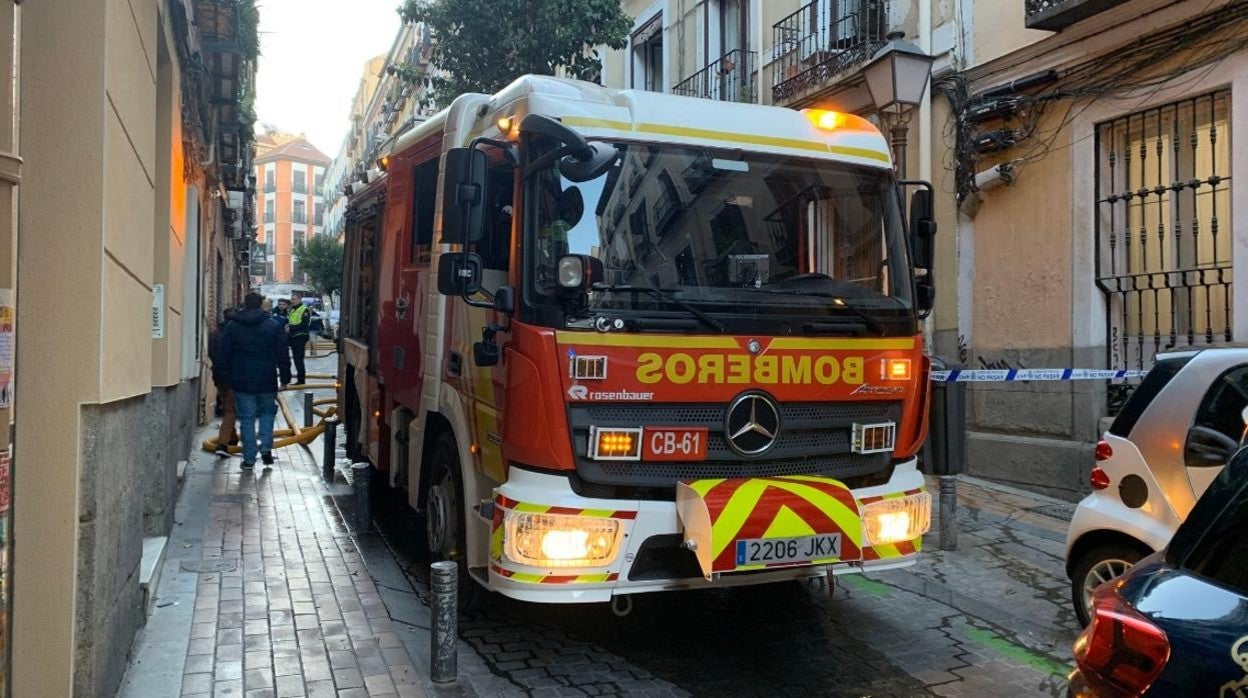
267, 591
991, 619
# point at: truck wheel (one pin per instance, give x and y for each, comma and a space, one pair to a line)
444, 515
1096, 566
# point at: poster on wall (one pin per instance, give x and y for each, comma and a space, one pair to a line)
7, 318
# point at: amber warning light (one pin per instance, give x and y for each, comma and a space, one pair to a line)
895, 369
614, 443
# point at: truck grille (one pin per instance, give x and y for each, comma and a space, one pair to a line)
814, 439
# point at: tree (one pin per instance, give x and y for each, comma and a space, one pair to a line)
320, 257
482, 45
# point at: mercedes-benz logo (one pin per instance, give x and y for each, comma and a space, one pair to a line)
752, 423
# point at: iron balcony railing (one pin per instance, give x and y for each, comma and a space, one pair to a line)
1055, 15
729, 79
823, 39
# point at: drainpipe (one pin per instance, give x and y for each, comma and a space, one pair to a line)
925, 128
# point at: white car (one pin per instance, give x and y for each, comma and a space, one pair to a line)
1172, 437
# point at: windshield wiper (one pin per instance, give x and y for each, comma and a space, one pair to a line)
838, 301
665, 294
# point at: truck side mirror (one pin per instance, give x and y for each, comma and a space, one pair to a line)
459, 274
463, 195
922, 228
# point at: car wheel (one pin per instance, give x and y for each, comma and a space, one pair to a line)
444, 516
1096, 566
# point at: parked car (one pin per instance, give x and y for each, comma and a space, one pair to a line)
1171, 438
1177, 623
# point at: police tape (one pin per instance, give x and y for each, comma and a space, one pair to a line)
1031, 374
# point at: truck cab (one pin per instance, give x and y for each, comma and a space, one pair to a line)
614, 341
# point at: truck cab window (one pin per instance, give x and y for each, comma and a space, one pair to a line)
424, 199
495, 246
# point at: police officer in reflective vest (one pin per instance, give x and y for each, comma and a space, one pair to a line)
298, 322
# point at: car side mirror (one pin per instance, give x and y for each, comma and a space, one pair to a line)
598, 158
1208, 448
463, 195
459, 274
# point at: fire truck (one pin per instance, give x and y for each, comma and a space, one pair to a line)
615, 341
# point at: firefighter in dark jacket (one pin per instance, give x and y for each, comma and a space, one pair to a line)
253, 354
299, 322
227, 434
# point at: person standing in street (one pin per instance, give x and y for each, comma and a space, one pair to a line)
227, 434
299, 320
253, 354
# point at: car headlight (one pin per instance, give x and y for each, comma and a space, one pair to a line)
557, 540
894, 520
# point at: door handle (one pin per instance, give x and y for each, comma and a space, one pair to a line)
454, 363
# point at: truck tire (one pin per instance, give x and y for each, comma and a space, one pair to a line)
444, 516
1100, 562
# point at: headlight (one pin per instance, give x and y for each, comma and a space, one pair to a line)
556, 540
894, 520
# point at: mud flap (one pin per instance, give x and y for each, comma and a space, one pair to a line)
717, 514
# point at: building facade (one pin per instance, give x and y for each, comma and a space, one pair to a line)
1082, 151
290, 176
125, 246
391, 98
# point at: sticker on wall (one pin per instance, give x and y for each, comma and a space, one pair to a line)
8, 315
158, 311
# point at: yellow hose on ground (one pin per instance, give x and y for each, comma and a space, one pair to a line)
295, 434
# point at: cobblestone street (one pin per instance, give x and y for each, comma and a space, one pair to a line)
267, 592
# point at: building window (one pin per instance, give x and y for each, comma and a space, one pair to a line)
319, 209
298, 212
299, 181
647, 55
268, 211
1164, 229
320, 179
270, 180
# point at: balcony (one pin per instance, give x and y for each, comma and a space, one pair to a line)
1056, 15
729, 79
823, 40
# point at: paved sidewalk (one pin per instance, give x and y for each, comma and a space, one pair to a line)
263, 593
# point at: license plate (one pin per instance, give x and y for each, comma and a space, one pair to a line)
673, 444
767, 551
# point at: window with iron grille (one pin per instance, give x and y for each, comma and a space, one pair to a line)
1164, 229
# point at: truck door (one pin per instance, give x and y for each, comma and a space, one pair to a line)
483, 385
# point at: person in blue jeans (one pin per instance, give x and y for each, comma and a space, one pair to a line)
253, 357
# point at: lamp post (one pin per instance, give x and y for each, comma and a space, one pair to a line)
897, 77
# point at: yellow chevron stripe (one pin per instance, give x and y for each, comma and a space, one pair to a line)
734, 515
597, 513
846, 518
704, 486
531, 508
496, 543
592, 578
527, 577
887, 551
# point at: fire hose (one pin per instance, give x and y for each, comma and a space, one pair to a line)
295, 434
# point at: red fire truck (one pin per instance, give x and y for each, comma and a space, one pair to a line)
614, 341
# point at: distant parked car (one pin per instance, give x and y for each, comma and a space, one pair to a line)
1177, 623
1172, 437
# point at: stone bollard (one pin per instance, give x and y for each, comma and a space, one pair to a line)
444, 630
329, 454
948, 512
360, 474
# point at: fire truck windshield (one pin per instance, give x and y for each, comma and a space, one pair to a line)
736, 235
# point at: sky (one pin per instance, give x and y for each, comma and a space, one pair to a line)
312, 54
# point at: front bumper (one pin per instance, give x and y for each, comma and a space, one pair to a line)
650, 556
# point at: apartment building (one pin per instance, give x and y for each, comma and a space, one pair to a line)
290, 173
392, 96
1082, 151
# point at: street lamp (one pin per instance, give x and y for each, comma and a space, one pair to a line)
897, 78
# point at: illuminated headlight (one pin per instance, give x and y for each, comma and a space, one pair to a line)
571, 271
556, 540
609, 443
894, 520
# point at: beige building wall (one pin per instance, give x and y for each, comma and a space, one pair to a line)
98, 397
